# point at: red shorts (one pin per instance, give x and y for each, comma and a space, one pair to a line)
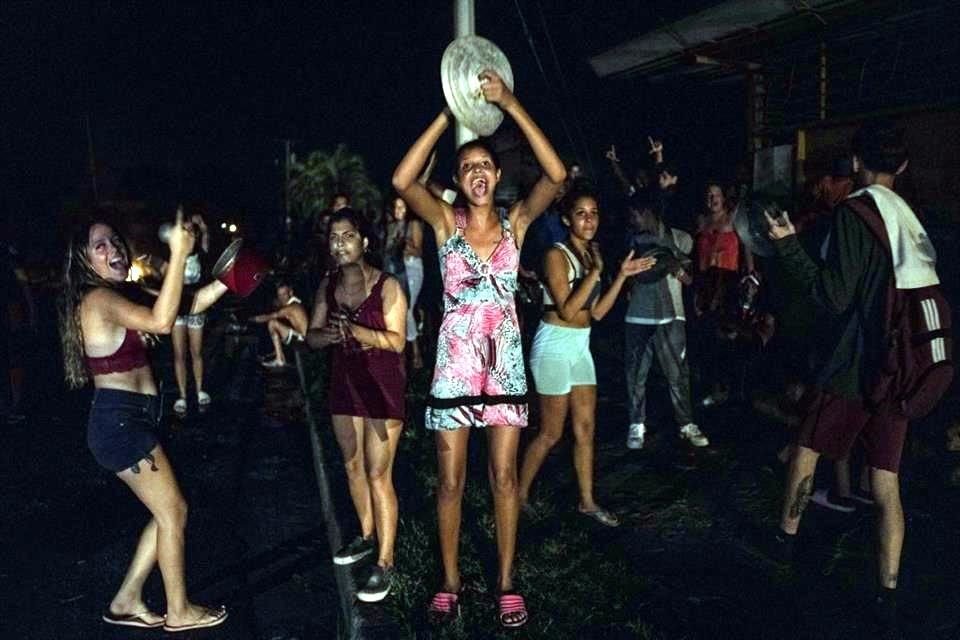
832, 424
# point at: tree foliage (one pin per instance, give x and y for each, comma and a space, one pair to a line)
315, 180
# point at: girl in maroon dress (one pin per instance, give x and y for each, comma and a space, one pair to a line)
361, 311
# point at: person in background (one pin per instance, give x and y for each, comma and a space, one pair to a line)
560, 359
403, 258
655, 324
188, 331
103, 321
286, 325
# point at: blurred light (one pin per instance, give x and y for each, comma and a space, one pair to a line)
223, 225
232, 228
136, 271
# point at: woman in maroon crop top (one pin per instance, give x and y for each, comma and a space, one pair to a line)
362, 312
100, 327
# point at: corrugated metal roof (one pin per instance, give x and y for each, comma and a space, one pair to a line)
709, 26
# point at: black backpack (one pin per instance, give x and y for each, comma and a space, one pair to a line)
916, 366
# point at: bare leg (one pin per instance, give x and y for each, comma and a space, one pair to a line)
890, 527
153, 482
179, 336
349, 432
583, 401
380, 441
502, 470
799, 488
452, 471
553, 414
196, 356
129, 598
276, 330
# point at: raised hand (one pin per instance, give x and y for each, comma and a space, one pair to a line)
780, 227
632, 266
182, 235
656, 149
494, 90
611, 154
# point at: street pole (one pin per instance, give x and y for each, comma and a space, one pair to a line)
287, 220
464, 24
342, 576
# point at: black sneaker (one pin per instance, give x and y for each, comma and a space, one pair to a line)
356, 550
378, 585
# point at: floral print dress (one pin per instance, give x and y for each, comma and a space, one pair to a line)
479, 378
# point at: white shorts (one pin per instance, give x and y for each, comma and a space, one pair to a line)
293, 334
192, 320
560, 359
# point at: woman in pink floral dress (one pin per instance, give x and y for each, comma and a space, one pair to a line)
479, 377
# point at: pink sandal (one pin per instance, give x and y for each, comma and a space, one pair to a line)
444, 607
513, 610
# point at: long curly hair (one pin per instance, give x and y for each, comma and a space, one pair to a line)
79, 277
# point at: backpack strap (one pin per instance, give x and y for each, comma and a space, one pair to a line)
866, 210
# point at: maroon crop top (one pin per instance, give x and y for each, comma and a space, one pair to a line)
131, 355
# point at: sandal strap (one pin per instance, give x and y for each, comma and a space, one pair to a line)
443, 602
512, 603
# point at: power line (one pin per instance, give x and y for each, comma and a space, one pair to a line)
536, 57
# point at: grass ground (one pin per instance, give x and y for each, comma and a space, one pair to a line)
687, 562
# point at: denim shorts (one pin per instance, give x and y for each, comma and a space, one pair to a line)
122, 427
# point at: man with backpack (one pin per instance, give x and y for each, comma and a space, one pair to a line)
890, 346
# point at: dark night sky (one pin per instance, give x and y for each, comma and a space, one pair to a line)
206, 91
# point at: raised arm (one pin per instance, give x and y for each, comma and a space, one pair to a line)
611, 155
117, 309
406, 179
206, 296
202, 230
554, 173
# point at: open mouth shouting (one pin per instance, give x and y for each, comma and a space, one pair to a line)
118, 264
479, 187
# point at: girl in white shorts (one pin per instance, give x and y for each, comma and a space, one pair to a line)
560, 358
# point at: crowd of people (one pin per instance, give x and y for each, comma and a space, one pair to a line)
720, 321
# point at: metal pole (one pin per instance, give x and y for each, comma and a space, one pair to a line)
464, 24
342, 575
287, 220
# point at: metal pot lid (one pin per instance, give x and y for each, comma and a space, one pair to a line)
752, 228
463, 61
225, 261
666, 262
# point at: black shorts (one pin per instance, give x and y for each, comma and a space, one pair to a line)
122, 427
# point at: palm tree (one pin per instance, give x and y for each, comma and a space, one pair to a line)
314, 182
